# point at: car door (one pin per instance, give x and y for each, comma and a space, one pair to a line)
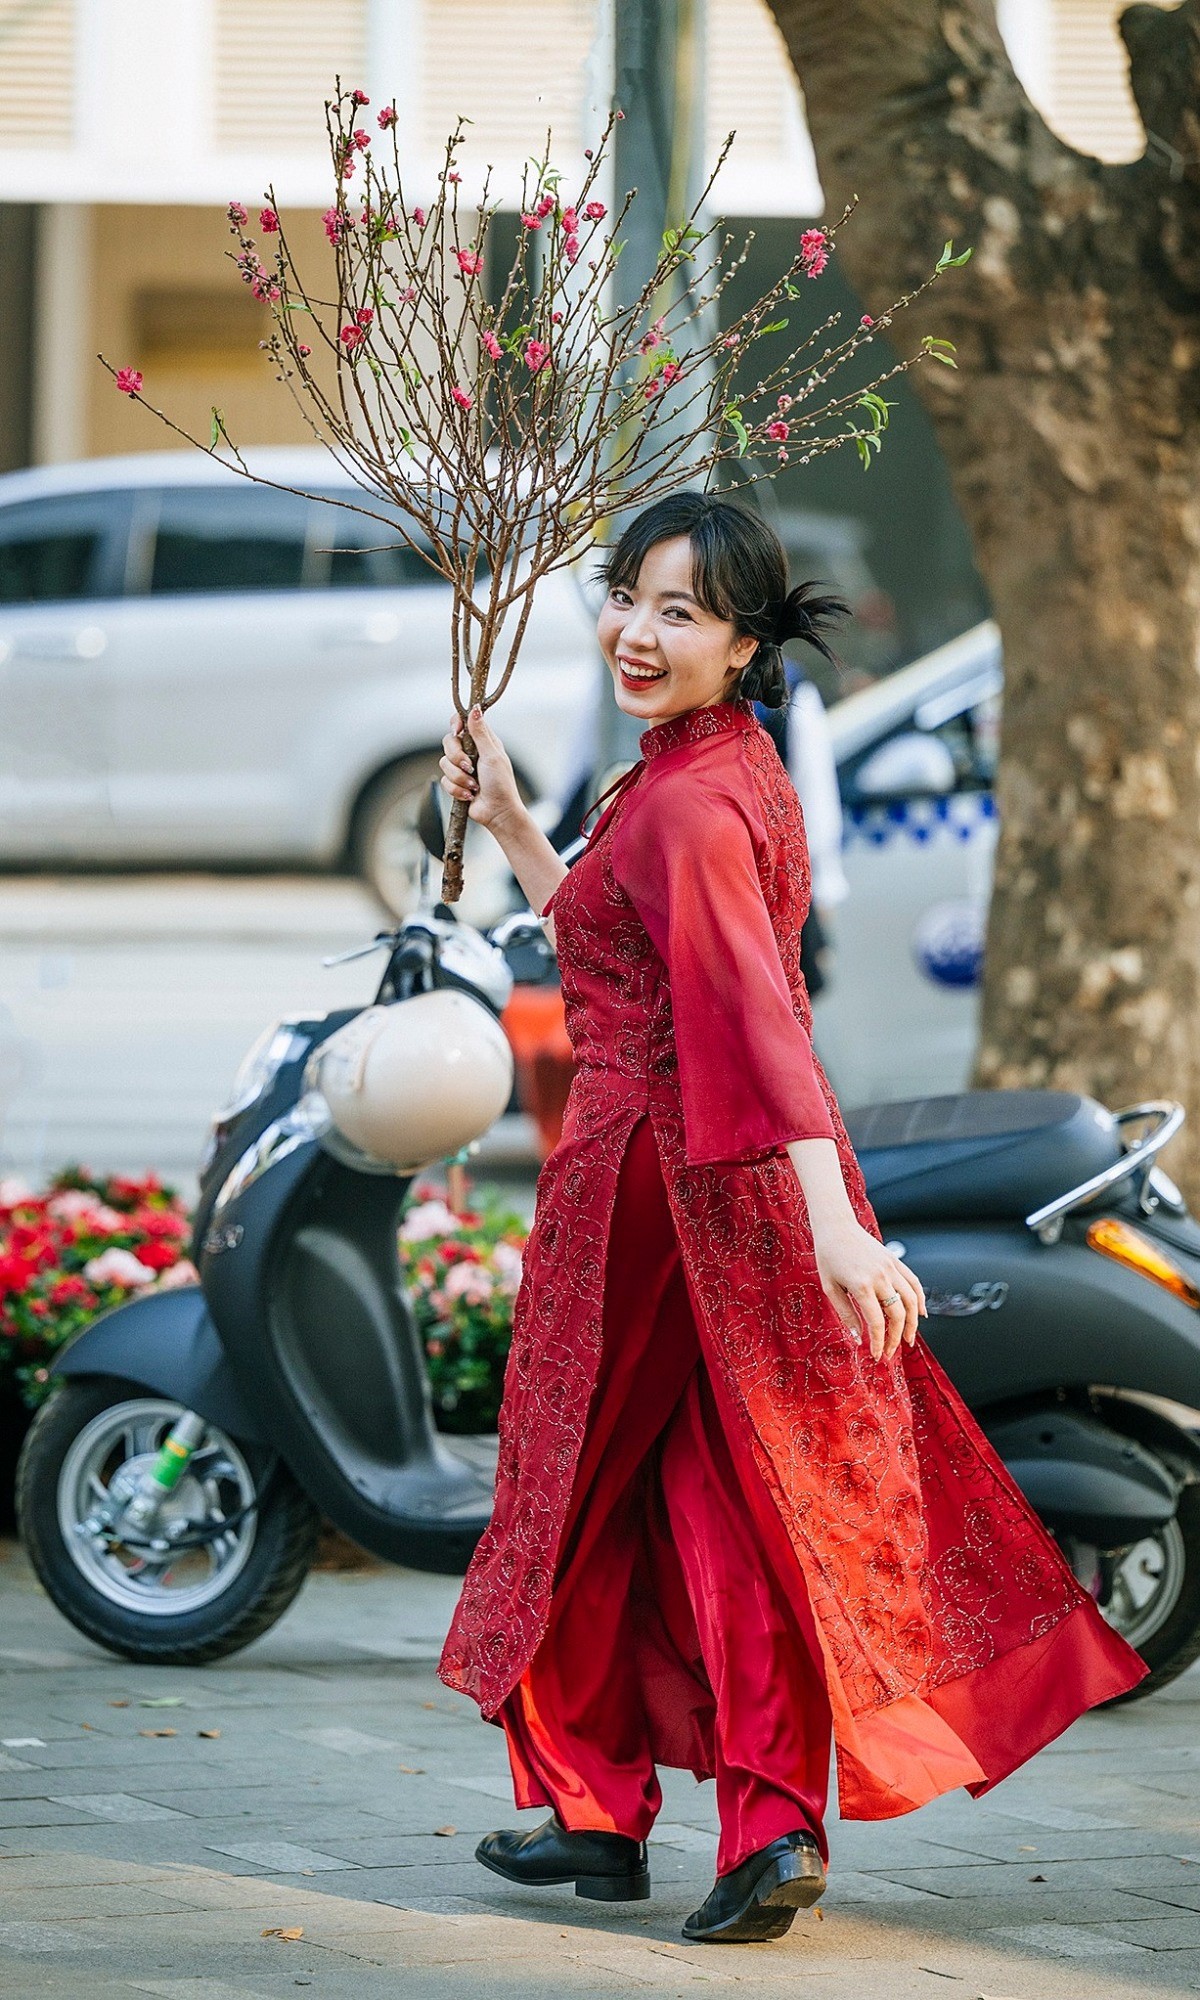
900, 1017
217, 671
62, 560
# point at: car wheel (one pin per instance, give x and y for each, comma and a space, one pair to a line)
387, 851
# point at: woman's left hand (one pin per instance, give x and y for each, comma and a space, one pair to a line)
871, 1291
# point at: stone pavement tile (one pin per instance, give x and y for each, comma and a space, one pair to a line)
38, 1871
116, 1806
1066, 1941
62, 1901
1000, 1878
1002, 1841
39, 1812
1184, 1896
1174, 1933
279, 1857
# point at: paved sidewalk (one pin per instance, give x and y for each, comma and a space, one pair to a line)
143, 1854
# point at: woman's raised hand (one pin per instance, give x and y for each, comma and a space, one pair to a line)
492, 787
870, 1290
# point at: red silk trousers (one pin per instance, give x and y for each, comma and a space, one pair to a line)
666, 1558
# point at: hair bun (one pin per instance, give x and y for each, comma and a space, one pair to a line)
806, 614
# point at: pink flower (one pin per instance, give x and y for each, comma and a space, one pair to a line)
652, 386
408, 294
537, 354
651, 339
814, 252
453, 178
461, 397
419, 217
529, 221
237, 215
428, 1218
470, 263
492, 345
784, 403
337, 222
362, 140
182, 1273
781, 454
359, 97
571, 246
671, 371
351, 337
569, 221
730, 340
556, 318
545, 207
302, 349
268, 221
866, 320
779, 432
118, 1267
387, 117
129, 381
364, 315
595, 210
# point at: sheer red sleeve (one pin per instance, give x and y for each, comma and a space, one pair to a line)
686, 858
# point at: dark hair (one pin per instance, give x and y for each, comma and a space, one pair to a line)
739, 573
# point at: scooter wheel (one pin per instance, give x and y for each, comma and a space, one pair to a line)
234, 1545
1156, 1602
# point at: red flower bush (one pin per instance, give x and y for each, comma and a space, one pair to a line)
70, 1252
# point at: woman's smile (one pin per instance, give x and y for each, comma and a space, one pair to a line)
636, 674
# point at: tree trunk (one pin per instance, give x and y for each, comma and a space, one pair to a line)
1071, 437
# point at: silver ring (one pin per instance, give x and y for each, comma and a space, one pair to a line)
890, 1299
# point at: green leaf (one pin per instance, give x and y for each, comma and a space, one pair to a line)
216, 427
405, 437
948, 261
291, 306
734, 419
776, 326
877, 408
864, 451
939, 350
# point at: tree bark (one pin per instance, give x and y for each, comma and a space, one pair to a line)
1071, 437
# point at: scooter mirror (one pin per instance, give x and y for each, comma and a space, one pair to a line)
430, 830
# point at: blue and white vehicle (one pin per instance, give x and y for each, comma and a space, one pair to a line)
916, 757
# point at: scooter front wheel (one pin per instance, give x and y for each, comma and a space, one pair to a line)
230, 1549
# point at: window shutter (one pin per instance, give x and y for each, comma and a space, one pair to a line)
37, 72
276, 64
1091, 105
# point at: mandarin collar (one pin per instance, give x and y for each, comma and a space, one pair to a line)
717, 720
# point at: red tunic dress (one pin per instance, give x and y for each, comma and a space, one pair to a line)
955, 1640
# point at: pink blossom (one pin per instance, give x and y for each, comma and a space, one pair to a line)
866, 320
730, 340
595, 210
426, 1219
529, 221
652, 386
359, 97
492, 345
651, 339
408, 295
268, 221
571, 246
14, 1189
781, 454
556, 318
387, 117
508, 1262
545, 207
364, 315
351, 337
779, 432
118, 1267
470, 263
784, 403
361, 140
671, 371
587, 153
419, 217
569, 222
537, 354
237, 215
182, 1273
81, 1205
453, 178
129, 381
263, 287
814, 252
461, 397
471, 1283
337, 222
303, 349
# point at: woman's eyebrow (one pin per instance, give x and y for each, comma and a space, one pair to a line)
679, 593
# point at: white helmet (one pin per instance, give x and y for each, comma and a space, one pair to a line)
413, 1082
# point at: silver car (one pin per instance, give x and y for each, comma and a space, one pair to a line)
916, 757
195, 669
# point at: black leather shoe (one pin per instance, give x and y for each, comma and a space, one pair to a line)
608, 1867
759, 1899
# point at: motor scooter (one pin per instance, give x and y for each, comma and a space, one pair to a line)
170, 1491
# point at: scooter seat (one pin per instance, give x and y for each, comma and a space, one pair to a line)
981, 1153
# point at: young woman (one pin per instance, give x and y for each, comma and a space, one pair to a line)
739, 1509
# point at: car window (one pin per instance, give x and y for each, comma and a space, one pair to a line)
351, 551
61, 549
217, 538
957, 753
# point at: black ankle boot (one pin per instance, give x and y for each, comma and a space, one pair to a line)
759, 1899
608, 1867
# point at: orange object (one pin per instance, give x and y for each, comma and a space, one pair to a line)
1126, 1245
533, 1021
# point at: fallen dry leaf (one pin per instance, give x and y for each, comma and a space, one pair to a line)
444, 1832
289, 1935
1027, 1850
1037, 1878
158, 1732
87, 1725
118, 1704
429, 1704
819, 1914
412, 1770
211, 1735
